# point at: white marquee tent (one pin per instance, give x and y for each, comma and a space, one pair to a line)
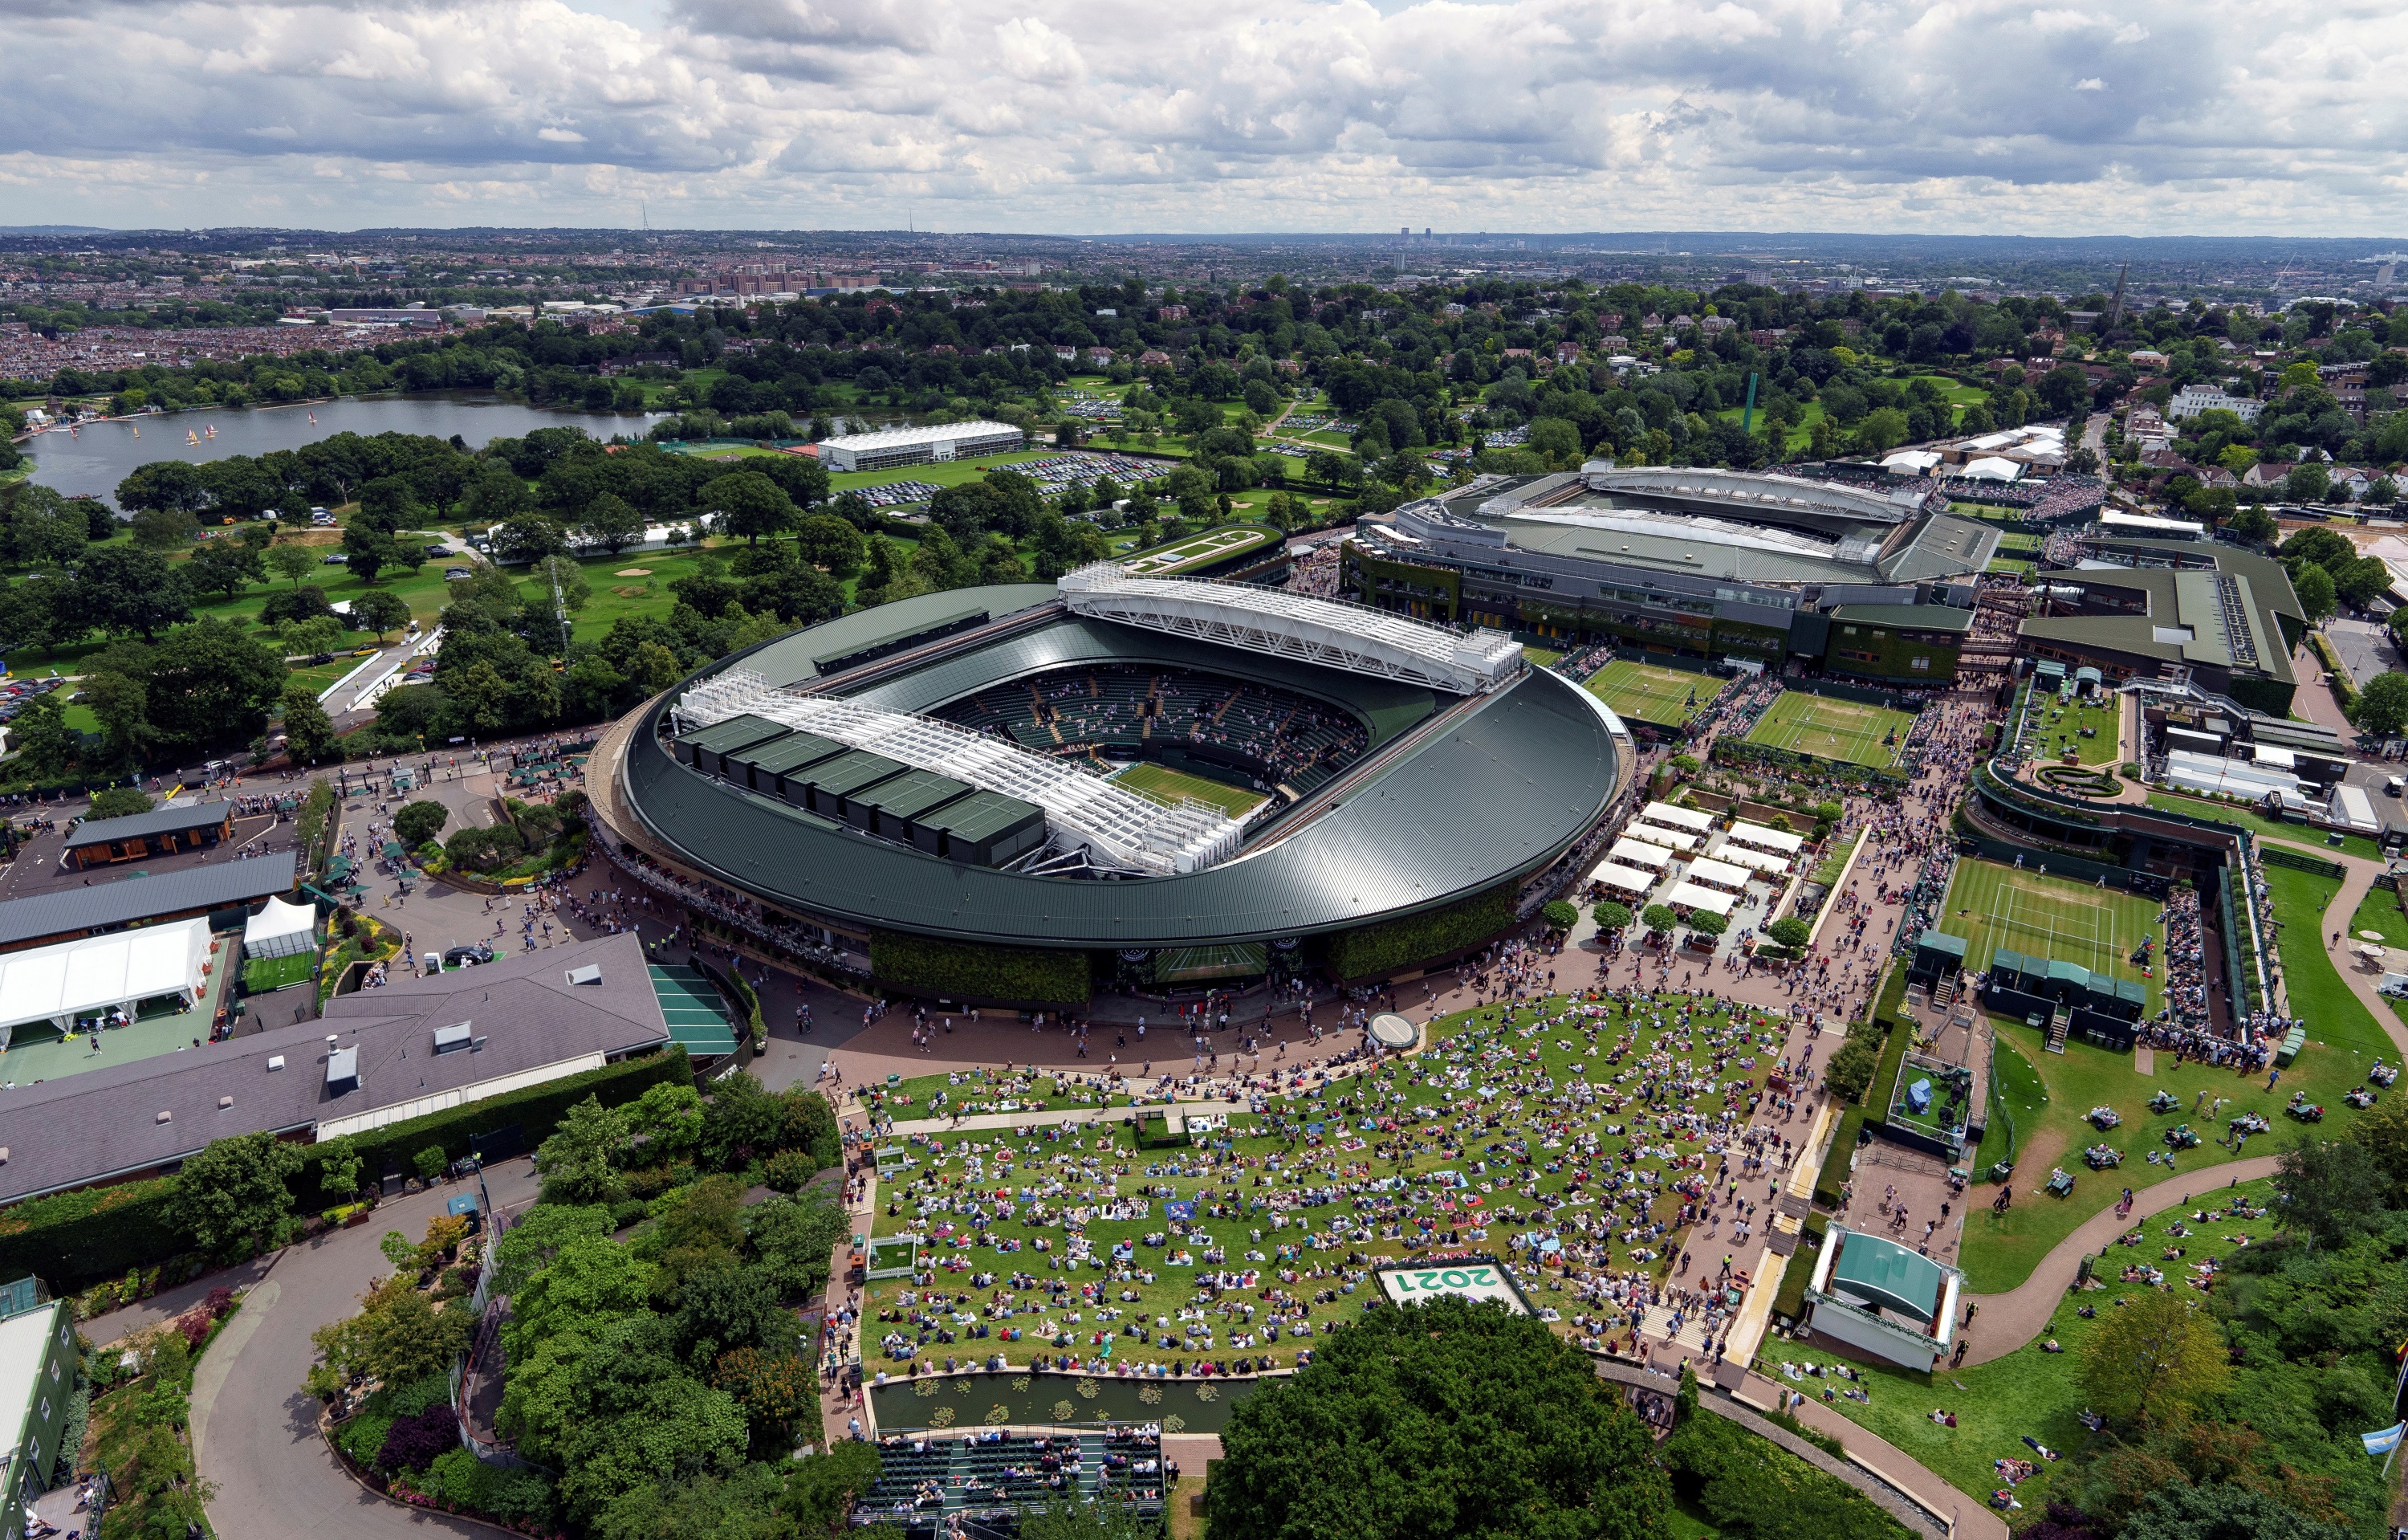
1768, 838
79, 978
1738, 855
1670, 839
279, 929
1690, 895
1720, 873
1628, 879
1640, 853
1688, 818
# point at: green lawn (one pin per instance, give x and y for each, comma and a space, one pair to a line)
1845, 730
1514, 1066
2052, 726
1164, 785
2379, 911
261, 975
1645, 692
1999, 1251
1210, 545
2027, 1392
2250, 819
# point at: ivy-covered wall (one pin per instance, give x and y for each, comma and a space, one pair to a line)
966, 971
1393, 945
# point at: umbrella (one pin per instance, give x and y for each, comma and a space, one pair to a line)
2369, 935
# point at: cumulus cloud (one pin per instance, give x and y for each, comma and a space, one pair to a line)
1300, 114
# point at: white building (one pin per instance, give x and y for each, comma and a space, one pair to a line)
2191, 400
909, 446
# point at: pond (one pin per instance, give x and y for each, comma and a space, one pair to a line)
98, 455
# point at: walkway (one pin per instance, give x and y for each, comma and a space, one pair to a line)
2005, 1322
255, 1432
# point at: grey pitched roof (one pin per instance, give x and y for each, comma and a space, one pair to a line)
124, 899
141, 826
83, 1128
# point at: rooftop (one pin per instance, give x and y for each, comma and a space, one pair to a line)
141, 826
121, 900
934, 433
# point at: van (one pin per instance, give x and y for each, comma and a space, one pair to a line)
2394, 784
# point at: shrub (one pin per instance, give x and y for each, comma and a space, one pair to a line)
1392, 945
1611, 917
459, 1479
412, 1443
76, 1239
119, 802
787, 1171
429, 1162
1660, 917
1851, 1070
1560, 915
1790, 931
1706, 924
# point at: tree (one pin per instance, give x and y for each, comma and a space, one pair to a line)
165, 528
748, 504
212, 682
2382, 1133
292, 562
381, 611
1432, 1420
43, 744
2382, 708
2314, 587
1611, 915
223, 566
120, 802
1560, 915
2308, 481
122, 590
1790, 931
576, 1161
610, 522
308, 731
2326, 1189
2152, 1361
526, 538
2064, 389
121, 705
2178, 1510
419, 822
339, 1166
234, 1189
1708, 924
830, 544
1660, 917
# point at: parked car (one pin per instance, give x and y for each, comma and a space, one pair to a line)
452, 574
438, 551
468, 957
338, 559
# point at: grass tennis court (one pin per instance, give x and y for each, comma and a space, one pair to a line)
1658, 696
261, 975
1165, 784
1994, 905
1845, 730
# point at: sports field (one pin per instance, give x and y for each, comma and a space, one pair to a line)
1212, 545
1165, 784
1993, 905
1845, 730
1658, 696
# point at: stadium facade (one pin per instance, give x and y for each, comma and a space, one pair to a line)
1710, 564
960, 796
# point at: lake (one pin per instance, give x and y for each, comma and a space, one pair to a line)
99, 456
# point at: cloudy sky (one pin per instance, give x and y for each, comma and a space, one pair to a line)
1084, 116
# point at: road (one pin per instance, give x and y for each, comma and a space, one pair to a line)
255, 1429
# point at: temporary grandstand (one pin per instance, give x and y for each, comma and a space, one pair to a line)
1269, 620
1113, 829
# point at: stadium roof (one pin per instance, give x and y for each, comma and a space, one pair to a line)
1354, 638
1505, 789
121, 900
2229, 615
1884, 1275
1917, 617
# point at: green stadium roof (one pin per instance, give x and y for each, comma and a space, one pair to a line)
1887, 1277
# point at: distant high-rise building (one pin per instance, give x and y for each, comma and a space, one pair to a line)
1426, 232
1406, 233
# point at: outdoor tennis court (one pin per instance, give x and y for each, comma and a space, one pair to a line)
1165, 784
1657, 697
1845, 730
1994, 905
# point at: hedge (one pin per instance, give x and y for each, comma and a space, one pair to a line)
1835, 1165
76, 1238
2298, 860
1789, 1301
536, 1110
310, 823
1393, 944
966, 970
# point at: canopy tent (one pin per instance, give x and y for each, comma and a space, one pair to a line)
1884, 1275
1990, 467
1720, 873
280, 930
1625, 878
1755, 860
1640, 853
78, 978
1690, 895
1768, 839
1666, 813
1669, 839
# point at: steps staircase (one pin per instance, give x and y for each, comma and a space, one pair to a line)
1946, 995
2060, 1025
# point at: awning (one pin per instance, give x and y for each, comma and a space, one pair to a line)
1705, 870
1626, 878
1755, 860
1690, 895
280, 930
1669, 839
1640, 853
1688, 818
1768, 838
